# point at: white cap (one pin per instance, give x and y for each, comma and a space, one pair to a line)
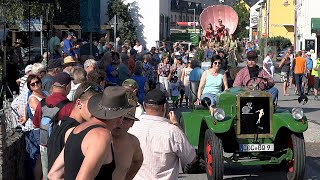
308, 53
28, 68
177, 54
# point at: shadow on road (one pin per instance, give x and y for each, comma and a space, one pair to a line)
252, 172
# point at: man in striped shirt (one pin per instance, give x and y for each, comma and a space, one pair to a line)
162, 141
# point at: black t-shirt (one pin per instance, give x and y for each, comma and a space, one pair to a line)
56, 141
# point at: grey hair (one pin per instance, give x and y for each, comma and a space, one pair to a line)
89, 62
37, 68
195, 63
79, 75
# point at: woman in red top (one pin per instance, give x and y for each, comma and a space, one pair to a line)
220, 28
209, 32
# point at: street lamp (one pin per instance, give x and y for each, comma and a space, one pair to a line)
194, 18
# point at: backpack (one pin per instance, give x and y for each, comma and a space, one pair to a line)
49, 119
29, 113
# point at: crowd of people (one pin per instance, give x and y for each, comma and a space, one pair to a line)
76, 112
107, 116
301, 72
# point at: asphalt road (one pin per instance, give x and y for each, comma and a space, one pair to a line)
312, 138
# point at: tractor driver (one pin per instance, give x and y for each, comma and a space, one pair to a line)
252, 70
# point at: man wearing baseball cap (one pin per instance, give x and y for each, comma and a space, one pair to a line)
54, 67
162, 141
60, 89
132, 92
68, 48
252, 70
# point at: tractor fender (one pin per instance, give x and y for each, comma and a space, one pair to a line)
219, 126
285, 119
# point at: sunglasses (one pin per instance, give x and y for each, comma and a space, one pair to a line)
35, 83
95, 88
216, 63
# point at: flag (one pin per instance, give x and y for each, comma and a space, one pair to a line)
90, 15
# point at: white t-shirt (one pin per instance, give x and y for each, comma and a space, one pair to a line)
268, 61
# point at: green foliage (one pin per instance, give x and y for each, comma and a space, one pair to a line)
261, 46
17, 10
200, 54
244, 16
279, 41
128, 29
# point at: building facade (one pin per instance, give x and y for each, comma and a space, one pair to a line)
308, 25
152, 18
280, 21
184, 11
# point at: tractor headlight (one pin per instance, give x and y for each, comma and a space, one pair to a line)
219, 114
297, 113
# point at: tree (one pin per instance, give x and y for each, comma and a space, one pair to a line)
244, 20
18, 10
68, 12
127, 31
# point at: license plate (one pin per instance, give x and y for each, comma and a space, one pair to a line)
256, 147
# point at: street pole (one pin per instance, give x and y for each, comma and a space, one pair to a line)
267, 28
4, 43
115, 32
41, 36
29, 28
194, 20
295, 27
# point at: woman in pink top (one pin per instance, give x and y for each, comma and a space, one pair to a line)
138, 47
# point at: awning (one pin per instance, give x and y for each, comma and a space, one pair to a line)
315, 24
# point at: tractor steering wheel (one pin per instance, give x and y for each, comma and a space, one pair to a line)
257, 86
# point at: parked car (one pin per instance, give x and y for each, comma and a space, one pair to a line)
282, 52
34, 51
247, 129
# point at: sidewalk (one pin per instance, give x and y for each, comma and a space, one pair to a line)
311, 109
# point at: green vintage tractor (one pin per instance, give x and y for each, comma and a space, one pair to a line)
247, 130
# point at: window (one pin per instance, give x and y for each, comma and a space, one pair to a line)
175, 18
187, 18
183, 18
180, 18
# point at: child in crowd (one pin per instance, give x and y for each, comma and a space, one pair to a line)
174, 91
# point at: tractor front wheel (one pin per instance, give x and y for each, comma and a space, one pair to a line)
296, 166
213, 156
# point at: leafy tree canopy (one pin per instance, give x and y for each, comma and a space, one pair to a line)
244, 17
60, 12
127, 31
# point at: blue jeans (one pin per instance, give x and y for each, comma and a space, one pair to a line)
212, 97
298, 80
274, 92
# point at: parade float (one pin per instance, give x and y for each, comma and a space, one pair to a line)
247, 128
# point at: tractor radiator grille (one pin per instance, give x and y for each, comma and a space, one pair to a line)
250, 110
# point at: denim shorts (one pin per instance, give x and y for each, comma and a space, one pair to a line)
212, 97
32, 144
